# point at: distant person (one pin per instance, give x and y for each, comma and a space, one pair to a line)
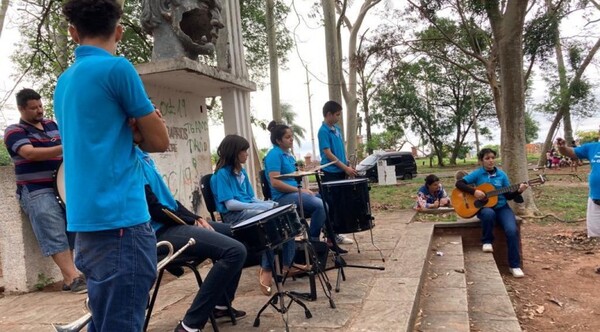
103, 110
432, 194
331, 148
548, 159
213, 241
501, 213
35, 147
591, 152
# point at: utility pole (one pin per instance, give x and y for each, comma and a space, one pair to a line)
273, 60
474, 120
312, 131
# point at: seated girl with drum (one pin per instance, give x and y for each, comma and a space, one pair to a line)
432, 195
236, 202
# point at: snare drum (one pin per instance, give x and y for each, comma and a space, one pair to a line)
59, 185
268, 229
349, 205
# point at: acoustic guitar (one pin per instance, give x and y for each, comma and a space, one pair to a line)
466, 205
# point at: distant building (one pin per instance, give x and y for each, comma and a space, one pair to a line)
533, 148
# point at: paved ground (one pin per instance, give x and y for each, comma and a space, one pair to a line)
369, 300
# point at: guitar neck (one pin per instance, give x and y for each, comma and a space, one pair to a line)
497, 192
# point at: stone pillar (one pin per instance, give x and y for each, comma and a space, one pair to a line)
236, 101
22, 261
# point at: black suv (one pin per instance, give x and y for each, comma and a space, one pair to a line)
406, 167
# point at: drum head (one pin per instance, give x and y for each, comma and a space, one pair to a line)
59, 184
345, 182
262, 216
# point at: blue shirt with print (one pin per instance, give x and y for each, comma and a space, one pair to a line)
280, 161
227, 185
331, 138
497, 178
591, 152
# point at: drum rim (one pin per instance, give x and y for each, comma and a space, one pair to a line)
244, 223
340, 182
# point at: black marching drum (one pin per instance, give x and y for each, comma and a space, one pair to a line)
349, 205
268, 229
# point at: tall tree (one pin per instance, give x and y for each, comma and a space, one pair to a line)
3, 9
289, 117
273, 59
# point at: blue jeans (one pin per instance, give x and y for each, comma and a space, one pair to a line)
228, 256
288, 248
506, 218
313, 206
120, 267
47, 219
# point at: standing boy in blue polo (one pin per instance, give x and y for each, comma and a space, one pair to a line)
331, 148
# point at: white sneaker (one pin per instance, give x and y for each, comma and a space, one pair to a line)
487, 247
517, 272
340, 239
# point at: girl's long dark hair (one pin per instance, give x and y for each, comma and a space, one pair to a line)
228, 151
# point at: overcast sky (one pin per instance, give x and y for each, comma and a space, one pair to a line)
293, 90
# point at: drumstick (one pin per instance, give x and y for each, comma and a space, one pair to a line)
174, 217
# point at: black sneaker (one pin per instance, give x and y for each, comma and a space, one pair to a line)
180, 328
223, 315
332, 248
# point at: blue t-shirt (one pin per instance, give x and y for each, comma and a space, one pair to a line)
331, 138
104, 182
153, 178
498, 179
591, 152
226, 185
280, 161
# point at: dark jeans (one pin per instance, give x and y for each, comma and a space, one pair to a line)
329, 176
228, 256
120, 267
506, 218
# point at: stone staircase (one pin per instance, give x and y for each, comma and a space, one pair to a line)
462, 290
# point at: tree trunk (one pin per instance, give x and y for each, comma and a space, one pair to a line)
331, 51
507, 30
273, 60
3, 9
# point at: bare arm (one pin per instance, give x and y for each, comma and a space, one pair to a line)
339, 163
40, 153
564, 149
153, 132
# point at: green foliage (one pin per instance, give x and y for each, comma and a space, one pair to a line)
4, 156
43, 281
531, 129
387, 140
540, 35
289, 117
588, 136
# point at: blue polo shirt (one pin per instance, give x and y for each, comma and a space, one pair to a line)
331, 138
498, 179
280, 161
591, 152
35, 175
227, 185
104, 181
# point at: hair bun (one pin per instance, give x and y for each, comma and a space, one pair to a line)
272, 125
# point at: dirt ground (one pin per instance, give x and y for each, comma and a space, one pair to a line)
561, 290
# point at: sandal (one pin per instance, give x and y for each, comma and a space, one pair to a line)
297, 269
265, 287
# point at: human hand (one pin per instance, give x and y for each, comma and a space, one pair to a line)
200, 222
523, 186
137, 135
350, 171
479, 194
436, 204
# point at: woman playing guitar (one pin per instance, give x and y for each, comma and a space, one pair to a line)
500, 213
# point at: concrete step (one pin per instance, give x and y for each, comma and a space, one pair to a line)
490, 308
443, 300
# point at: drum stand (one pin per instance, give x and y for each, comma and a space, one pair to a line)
339, 262
277, 301
309, 251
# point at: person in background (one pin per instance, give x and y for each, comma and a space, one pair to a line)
213, 241
432, 195
236, 202
35, 148
501, 213
591, 152
102, 111
331, 148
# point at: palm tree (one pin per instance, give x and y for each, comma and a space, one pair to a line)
289, 116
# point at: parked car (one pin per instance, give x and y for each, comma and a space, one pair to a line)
406, 166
